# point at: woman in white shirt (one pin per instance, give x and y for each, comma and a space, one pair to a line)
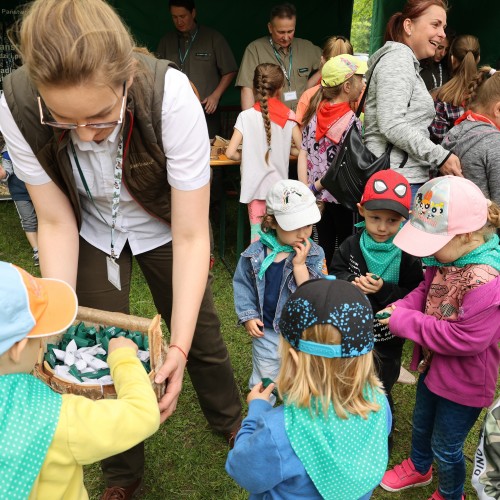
114, 150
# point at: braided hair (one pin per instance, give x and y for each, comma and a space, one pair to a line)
484, 89
268, 79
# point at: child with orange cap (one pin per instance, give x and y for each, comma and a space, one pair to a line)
45, 437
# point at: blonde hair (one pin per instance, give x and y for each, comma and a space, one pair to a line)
268, 79
340, 381
73, 42
322, 95
493, 222
465, 51
335, 46
484, 89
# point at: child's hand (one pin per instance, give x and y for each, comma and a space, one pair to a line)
368, 284
117, 342
258, 392
3, 173
254, 327
301, 252
387, 310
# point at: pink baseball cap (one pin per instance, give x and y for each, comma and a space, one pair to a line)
443, 207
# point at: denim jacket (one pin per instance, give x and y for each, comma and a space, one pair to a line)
249, 289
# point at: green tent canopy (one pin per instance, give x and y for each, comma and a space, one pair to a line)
479, 18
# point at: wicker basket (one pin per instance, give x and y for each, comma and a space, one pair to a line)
95, 317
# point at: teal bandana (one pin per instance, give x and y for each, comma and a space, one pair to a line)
29, 414
488, 253
382, 258
345, 458
270, 241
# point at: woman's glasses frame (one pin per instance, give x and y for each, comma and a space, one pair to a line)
73, 126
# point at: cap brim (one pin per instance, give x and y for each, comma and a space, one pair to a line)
419, 243
362, 68
291, 221
387, 205
61, 309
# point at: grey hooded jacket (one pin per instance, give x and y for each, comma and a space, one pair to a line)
477, 145
399, 110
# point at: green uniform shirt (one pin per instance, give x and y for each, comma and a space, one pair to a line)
208, 56
305, 60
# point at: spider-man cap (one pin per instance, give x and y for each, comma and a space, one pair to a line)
387, 190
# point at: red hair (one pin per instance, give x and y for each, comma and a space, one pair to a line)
413, 9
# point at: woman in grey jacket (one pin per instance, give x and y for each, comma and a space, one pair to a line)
398, 107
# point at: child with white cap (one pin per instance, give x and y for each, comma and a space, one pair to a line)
270, 269
454, 319
46, 438
329, 439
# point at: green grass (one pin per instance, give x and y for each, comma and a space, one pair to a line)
184, 459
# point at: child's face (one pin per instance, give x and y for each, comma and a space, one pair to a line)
458, 246
294, 237
381, 224
355, 88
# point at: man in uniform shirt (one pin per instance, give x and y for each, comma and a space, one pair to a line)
298, 58
203, 55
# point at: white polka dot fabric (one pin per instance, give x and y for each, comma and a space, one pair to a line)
344, 458
29, 413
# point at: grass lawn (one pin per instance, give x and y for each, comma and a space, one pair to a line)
184, 459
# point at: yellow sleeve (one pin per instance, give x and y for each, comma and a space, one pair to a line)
100, 429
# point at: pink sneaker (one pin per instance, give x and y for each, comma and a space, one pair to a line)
405, 476
437, 496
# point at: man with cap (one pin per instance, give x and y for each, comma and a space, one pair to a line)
372, 263
46, 438
297, 57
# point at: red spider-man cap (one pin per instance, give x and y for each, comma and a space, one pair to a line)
387, 190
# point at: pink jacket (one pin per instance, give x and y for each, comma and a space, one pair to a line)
464, 367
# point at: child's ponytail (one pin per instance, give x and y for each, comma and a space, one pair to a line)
322, 94
484, 89
494, 215
465, 53
268, 80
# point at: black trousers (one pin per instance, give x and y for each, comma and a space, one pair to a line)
209, 366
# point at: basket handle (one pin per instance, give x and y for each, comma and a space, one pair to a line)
96, 316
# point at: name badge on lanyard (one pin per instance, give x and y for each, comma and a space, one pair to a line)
291, 95
112, 266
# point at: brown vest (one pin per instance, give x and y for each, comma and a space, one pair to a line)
144, 165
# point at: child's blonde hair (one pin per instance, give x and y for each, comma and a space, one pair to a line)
335, 46
465, 51
341, 381
493, 222
268, 80
322, 94
484, 89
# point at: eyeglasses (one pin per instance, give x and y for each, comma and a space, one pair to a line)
72, 126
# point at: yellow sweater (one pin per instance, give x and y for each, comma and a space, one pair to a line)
89, 431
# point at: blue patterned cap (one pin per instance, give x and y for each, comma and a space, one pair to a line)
334, 302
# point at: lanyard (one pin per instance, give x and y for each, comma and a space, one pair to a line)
282, 66
440, 77
182, 58
117, 185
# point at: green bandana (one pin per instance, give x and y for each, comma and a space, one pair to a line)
488, 253
345, 458
29, 414
269, 239
382, 258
